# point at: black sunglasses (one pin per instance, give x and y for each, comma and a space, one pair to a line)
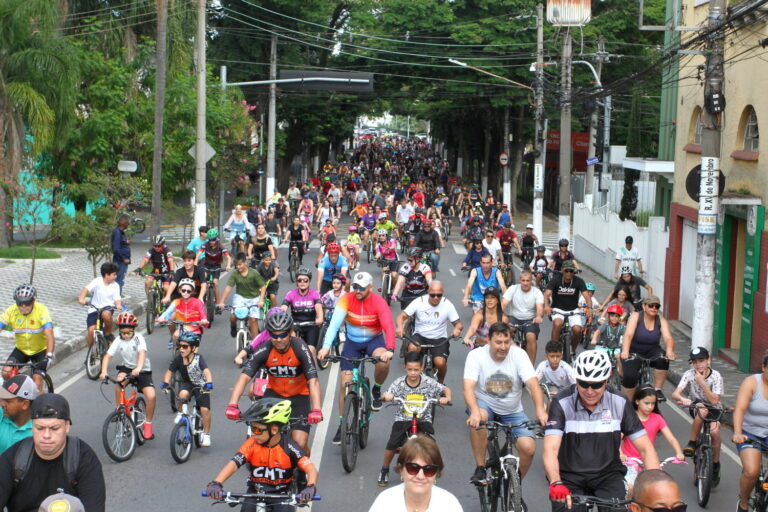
184, 346
429, 470
591, 385
279, 336
302, 280
433, 295
186, 290
21, 303
654, 306
682, 507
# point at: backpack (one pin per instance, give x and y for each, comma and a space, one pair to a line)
23, 460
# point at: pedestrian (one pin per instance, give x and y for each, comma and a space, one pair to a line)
628, 256
50, 461
16, 396
121, 249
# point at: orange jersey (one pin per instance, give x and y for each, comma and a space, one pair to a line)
272, 466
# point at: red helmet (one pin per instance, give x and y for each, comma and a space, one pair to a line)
615, 309
333, 248
427, 223
126, 319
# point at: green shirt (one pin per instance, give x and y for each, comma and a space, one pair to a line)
10, 433
247, 286
389, 226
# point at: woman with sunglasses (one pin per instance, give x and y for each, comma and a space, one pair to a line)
483, 319
188, 308
474, 254
419, 464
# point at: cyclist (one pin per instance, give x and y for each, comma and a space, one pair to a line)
493, 247
386, 253
384, 223
524, 305
353, 246
305, 307
190, 271
475, 254
367, 223
105, 293
270, 272
529, 241
280, 216
539, 264
332, 296
562, 293
305, 210
553, 371
250, 291
415, 223
162, 263
369, 332
474, 229
628, 257
213, 253
185, 309
507, 238
291, 375
238, 226
259, 244
298, 236
133, 353
609, 335
198, 242
33, 329
429, 241
403, 213
480, 278
633, 283
504, 217
583, 435
413, 278
431, 315
332, 263
561, 255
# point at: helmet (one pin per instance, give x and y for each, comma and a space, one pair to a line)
304, 271
563, 242
382, 232
127, 319
328, 220
340, 277
272, 311
478, 205
191, 337
615, 309
419, 209
625, 270
268, 410
415, 252
213, 234
492, 290
490, 191
505, 205
591, 287
157, 240
333, 248
24, 293
281, 321
428, 223
529, 226
477, 238
353, 228
382, 216
187, 281
592, 366
541, 248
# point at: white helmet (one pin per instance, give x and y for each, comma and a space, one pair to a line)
625, 269
592, 366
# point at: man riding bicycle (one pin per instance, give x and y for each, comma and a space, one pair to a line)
562, 293
481, 278
306, 308
529, 241
413, 278
250, 289
332, 263
214, 253
524, 305
429, 241
507, 238
367, 223
562, 255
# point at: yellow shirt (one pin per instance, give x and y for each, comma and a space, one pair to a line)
29, 329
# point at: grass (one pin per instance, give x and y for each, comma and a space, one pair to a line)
22, 252
54, 244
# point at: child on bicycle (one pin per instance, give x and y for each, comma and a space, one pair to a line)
194, 378
608, 336
326, 230
539, 264
188, 308
105, 293
332, 296
703, 385
161, 258
554, 372
353, 245
413, 386
133, 353
269, 270
386, 252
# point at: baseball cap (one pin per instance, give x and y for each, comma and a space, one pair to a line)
568, 265
529, 226
698, 353
61, 502
20, 386
629, 240
51, 406
651, 299
363, 279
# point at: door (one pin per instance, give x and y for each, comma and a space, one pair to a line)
687, 272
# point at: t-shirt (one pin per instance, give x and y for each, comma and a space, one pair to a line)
506, 238
29, 329
653, 425
566, 296
198, 276
193, 310
195, 244
129, 351
393, 500
10, 433
302, 306
628, 258
271, 467
213, 256
634, 287
288, 372
522, 305
427, 241
404, 213
432, 321
500, 385
102, 295
388, 225
688, 383
331, 269
610, 337
249, 285
563, 377
415, 280
494, 247
425, 389
192, 372
159, 259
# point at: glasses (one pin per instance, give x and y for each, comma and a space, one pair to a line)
680, 507
654, 306
24, 303
435, 295
304, 280
568, 271
278, 336
590, 385
185, 347
185, 290
358, 288
157, 246
429, 470
258, 430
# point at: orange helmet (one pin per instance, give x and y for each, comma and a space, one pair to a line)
333, 248
126, 319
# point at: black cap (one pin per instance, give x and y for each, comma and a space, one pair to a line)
51, 405
629, 240
698, 353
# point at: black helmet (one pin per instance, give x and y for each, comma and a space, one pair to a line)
304, 271
268, 410
541, 248
492, 290
477, 238
279, 322
157, 240
415, 252
563, 242
24, 293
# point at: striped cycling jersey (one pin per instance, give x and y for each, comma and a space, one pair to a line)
29, 329
365, 319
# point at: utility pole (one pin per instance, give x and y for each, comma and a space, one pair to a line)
157, 151
200, 139
591, 151
566, 155
541, 133
272, 120
506, 192
704, 292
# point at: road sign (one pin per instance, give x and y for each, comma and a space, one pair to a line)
592, 161
504, 159
127, 166
208, 150
693, 183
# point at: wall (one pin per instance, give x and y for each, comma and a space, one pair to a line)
599, 234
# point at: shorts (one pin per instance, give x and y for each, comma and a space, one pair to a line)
310, 335
400, 433
91, 318
254, 311
273, 287
693, 414
608, 350
631, 368
392, 264
214, 271
202, 400
574, 320
439, 351
325, 286
300, 408
145, 378
352, 349
17, 356
530, 327
507, 419
750, 444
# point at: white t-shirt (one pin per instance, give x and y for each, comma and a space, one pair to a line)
500, 385
562, 377
101, 294
494, 248
393, 500
129, 351
522, 305
628, 258
432, 321
583, 303
404, 213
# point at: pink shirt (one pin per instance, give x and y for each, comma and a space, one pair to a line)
653, 425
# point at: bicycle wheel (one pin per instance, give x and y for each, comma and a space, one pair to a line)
349, 432
385, 288
181, 442
513, 494
93, 357
365, 417
703, 476
292, 267
151, 310
119, 436
197, 427
758, 501
139, 418
210, 303
240, 341
487, 493
322, 365
139, 226
173, 392
47, 383
566, 339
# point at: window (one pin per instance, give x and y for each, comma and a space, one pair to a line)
699, 128
748, 137
751, 133
695, 129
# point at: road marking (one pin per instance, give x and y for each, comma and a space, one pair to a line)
70, 381
452, 272
459, 248
321, 429
314, 244
723, 448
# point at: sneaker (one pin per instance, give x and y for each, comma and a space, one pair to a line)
177, 418
377, 402
715, 474
337, 436
147, 431
479, 476
170, 343
689, 449
205, 439
738, 506
383, 477
232, 330
660, 396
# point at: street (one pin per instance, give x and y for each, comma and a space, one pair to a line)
152, 481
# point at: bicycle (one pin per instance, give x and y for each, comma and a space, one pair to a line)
758, 499
502, 487
264, 501
173, 384
340, 338
614, 381
123, 428
135, 223
527, 256
209, 299
238, 241
241, 322
187, 430
519, 336
98, 348
417, 408
29, 368
293, 260
587, 502
370, 252
508, 273
589, 329
358, 410
386, 280
565, 333
703, 464
646, 371
154, 307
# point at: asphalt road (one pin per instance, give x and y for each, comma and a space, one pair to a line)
152, 481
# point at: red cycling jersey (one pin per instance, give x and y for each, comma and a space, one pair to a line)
506, 238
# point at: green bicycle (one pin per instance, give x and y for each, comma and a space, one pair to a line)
155, 307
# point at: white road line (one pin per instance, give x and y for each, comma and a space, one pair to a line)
452, 272
70, 381
321, 430
723, 449
459, 249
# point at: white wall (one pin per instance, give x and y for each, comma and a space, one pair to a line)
646, 195
600, 233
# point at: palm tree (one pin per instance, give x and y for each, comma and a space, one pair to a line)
38, 82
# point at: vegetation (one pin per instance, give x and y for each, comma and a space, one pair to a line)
20, 252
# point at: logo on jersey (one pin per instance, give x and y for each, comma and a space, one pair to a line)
283, 371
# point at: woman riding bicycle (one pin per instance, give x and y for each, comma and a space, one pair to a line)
386, 251
484, 318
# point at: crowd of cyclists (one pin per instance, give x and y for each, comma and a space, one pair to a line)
396, 202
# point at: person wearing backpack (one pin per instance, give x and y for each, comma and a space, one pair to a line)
37, 467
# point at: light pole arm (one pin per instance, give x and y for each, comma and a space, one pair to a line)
465, 65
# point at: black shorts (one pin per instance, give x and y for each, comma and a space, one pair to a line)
631, 368
400, 433
19, 357
145, 378
443, 350
325, 286
608, 484
531, 327
273, 287
202, 400
310, 335
299, 408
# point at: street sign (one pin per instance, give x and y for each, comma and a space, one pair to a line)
693, 183
592, 161
208, 150
127, 166
504, 159
538, 178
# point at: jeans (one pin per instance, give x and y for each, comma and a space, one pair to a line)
434, 258
122, 269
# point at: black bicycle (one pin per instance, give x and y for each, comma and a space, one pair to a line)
209, 299
646, 370
703, 464
758, 500
582, 503
99, 346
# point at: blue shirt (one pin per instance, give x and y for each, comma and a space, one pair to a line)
472, 259
329, 269
121, 250
10, 434
195, 245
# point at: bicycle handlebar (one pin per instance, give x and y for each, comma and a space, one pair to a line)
615, 503
634, 461
180, 322
495, 425
370, 359
698, 407
132, 379
234, 498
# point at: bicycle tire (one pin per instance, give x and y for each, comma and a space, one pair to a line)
369, 248
121, 443
566, 339
93, 358
139, 226
703, 477
197, 427
210, 303
513, 494
241, 339
447, 229
322, 365
349, 432
173, 392
139, 418
758, 500
365, 416
614, 380
489, 498
181, 443
385, 285
151, 311
48, 383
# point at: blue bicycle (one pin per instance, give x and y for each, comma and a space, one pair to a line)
187, 430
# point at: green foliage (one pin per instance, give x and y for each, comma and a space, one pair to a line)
18, 252
629, 196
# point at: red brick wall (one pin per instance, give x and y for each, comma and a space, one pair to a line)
759, 316
677, 213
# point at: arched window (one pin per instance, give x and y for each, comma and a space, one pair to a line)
695, 128
747, 137
751, 132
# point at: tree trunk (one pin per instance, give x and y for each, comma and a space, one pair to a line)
486, 146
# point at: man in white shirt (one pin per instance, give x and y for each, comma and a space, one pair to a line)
524, 305
627, 256
403, 213
431, 315
494, 248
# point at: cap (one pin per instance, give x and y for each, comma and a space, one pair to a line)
651, 299
20, 386
568, 265
698, 353
363, 279
61, 503
629, 240
529, 226
51, 406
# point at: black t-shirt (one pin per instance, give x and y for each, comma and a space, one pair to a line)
197, 275
559, 259
566, 296
159, 259
261, 246
45, 477
297, 234
427, 241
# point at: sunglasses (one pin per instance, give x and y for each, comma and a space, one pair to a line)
257, 430
654, 306
25, 303
568, 271
358, 288
302, 280
278, 336
185, 290
429, 470
185, 347
157, 246
682, 507
435, 295
590, 385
